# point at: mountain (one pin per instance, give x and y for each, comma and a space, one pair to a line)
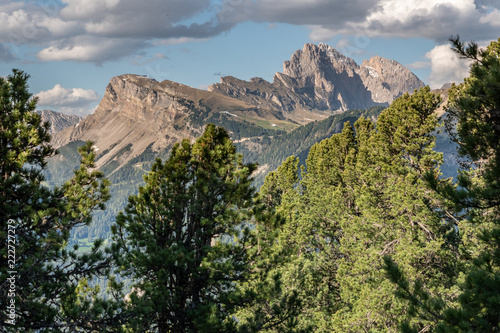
318, 80
139, 119
58, 121
137, 113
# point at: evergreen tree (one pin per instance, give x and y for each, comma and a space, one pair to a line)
361, 197
474, 109
393, 212
39, 275
182, 238
272, 289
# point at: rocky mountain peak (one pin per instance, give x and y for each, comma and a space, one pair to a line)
314, 59
138, 114
135, 113
57, 120
319, 80
326, 77
387, 79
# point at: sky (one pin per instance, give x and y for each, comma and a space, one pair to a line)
72, 48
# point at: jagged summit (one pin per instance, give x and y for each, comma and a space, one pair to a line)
319, 79
57, 120
387, 79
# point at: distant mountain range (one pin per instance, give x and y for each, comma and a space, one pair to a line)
137, 113
139, 119
319, 80
58, 121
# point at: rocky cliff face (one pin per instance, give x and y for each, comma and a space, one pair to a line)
58, 121
319, 78
387, 79
137, 113
327, 78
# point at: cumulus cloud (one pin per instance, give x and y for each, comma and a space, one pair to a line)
91, 49
307, 12
492, 18
446, 67
105, 30
432, 19
72, 101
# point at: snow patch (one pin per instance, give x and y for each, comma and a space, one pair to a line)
229, 113
372, 71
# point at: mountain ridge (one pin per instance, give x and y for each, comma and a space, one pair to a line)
58, 120
138, 113
318, 80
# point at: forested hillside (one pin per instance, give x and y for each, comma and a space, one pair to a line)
270, 148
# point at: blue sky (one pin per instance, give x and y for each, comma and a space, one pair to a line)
72, 48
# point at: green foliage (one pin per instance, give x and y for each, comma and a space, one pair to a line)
383, 207
273, 151
182, 238
241, 128
393, 213
474, 109
361, 197
272, 287
37, 222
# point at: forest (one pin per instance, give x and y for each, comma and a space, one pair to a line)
367, 236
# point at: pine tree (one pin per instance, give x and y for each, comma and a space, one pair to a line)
272, 288
39, 274
394, 213
474, 109
361, 197
182, 238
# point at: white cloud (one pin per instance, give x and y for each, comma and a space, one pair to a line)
131, 18
60, 97
105, 30
309, 12
432, 19
492, 18
78, 10
446, 67
96, 50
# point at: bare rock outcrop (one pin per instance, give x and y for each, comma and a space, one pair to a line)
319, 78
57, 120
387, 79
134, 114
137, 113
